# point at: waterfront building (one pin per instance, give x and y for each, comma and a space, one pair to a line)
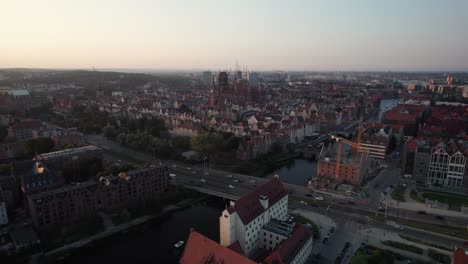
200, 249
67, 204
352, 169
255, 225
70, 161
243, 220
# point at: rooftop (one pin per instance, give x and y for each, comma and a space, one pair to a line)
290, 247
249, 206
284, 228
66, 152
202, 250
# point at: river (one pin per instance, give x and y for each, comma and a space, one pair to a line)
299, 171
153, 242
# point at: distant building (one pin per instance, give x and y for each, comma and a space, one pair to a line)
24, 130
422, 157
376, 139
117, 93
206, 77
253, 79
3, 209
69, 203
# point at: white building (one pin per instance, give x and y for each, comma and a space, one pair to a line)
244, 219
447, 164
259, 221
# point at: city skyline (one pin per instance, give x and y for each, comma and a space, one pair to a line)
265, 35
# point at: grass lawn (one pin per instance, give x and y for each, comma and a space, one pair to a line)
302, 220
399, 193
455, 231
403, 246
415, 240
415, 197
452, 199
369, 254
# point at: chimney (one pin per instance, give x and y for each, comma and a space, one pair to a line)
264, 201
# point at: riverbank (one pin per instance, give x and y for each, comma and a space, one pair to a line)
61, 253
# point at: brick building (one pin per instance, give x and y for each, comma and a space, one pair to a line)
69, 203
72, 161
353, 169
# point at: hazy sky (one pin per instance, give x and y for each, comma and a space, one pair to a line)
212, 34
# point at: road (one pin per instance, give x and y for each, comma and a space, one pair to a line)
333, 204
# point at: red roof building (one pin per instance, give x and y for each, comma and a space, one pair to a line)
460, 256
202, 250
293, 249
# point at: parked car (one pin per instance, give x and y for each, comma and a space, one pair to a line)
202, 180
231, 187
422, 212
319, 198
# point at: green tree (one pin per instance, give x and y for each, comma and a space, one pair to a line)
181, 142
37, 146
3, 133
4, 169
110, 132
207, 143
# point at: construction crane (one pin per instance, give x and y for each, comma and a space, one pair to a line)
341, 140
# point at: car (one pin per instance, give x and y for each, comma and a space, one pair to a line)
308, 195
252, 181
351, 202
188, 168
193, 172
319, 198
422, 212
325, 240
313, 205
229, 176
439, 217
303, 202
206, 173
236, 180
231, 187
202, 180
174, 166
376, 186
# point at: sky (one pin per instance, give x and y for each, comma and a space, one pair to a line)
329, 35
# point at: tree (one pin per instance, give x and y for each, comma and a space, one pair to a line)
3, 133
181, 142
110, 132
38, 146
207, 143
4, 169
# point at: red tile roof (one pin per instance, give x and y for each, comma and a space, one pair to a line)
460, 256
289, 248
236, 247
249, 206
202, 250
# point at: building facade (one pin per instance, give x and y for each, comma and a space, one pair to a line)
69, 203
447, 165
243, 220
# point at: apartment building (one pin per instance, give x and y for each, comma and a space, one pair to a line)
69, 203
447, 164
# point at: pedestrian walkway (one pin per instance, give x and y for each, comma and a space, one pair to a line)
412, 205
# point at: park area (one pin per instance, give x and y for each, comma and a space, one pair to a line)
453, 200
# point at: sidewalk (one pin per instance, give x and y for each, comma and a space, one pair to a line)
412, 205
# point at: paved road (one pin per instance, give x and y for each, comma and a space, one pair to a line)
220, 181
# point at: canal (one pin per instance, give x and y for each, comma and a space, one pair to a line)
153, 242
299, 171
